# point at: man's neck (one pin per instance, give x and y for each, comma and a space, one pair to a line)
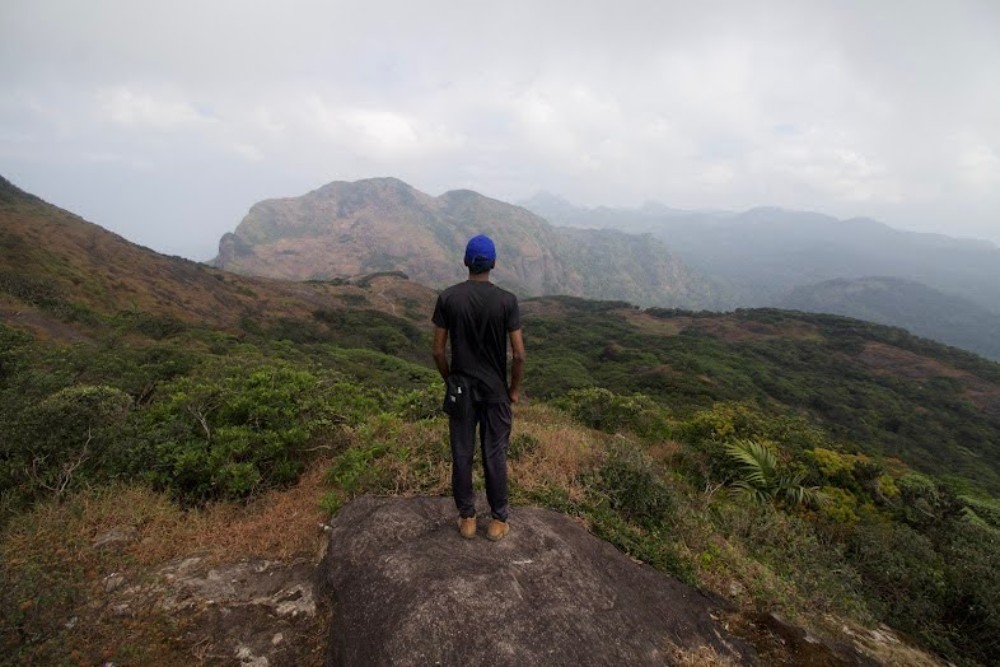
480, 277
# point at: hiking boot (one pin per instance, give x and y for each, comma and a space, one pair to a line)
467, 527
498, 530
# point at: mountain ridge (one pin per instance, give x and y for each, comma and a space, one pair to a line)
766, 251
342, 229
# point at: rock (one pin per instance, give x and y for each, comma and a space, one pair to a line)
406, 589
263, 612
113, 582
116, 537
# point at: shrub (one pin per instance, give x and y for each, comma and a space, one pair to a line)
606, 411
233, 432
71, 437
763, 479
631, 488
903, 576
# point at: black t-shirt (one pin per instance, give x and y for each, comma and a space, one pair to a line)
478, 316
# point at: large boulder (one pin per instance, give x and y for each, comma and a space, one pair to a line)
407, 589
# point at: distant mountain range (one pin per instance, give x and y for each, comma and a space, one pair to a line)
347, 229
764, 253
936, 286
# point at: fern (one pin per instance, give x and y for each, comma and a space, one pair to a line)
762, 479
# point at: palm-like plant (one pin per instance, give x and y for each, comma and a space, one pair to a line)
763, 478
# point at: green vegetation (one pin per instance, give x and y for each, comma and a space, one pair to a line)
871, 457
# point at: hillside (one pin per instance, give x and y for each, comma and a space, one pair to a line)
65, 278
877, 389
919, 309
348, 229
174, 433
763, 253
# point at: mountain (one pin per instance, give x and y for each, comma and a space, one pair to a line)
903, 303
764, 253
345, 229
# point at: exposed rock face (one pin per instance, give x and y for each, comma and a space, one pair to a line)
344, 230
257, 613
408, 590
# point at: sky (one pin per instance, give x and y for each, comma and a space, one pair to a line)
166, 121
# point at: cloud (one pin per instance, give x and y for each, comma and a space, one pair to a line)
853, 108
144, 110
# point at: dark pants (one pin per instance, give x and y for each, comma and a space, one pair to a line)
494, 420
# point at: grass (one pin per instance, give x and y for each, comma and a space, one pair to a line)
53, 580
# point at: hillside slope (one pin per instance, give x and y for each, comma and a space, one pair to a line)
877, 389
919, 309
60, 276
160, 447
346, 229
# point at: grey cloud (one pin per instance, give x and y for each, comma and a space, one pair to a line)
885, 109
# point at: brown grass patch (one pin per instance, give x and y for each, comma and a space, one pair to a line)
52, 578
563, 453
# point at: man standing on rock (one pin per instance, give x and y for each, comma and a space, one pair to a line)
480, 317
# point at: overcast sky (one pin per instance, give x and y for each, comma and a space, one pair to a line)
165, 121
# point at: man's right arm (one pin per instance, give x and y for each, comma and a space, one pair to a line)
440, 354
516, 365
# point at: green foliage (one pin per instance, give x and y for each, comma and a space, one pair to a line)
806, 370
391, 454
632, 507
903, 574
631, 488
984, 510
521, 445
971, 604
62, 442
603, 410
233, 434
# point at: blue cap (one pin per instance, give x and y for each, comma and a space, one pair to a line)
480, 253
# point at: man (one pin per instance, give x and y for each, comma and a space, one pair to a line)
479, 317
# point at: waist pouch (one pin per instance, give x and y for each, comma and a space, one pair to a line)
458, 396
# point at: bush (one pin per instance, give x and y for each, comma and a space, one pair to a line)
238, 430
903, 577
67, 439
606, 411
631, 488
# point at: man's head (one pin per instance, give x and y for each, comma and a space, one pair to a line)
480, 254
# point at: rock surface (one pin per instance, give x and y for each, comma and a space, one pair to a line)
408, 590
252, 613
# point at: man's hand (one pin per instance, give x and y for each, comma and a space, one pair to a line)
515, 395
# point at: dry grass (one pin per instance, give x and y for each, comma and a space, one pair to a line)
562, 455
53, 595
703, 656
